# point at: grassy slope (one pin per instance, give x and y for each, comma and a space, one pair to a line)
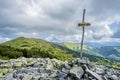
57, 50
86, 49
112, 52
41, 45
27, 43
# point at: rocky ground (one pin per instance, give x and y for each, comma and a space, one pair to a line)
53, 69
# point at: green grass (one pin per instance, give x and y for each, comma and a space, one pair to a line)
40, 48
31, 47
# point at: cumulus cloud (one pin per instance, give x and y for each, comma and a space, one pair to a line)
37, 15
116, 29
56, 20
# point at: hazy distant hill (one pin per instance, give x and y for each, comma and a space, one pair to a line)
112, 52
96, 44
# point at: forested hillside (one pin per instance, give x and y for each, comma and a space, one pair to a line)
30, 47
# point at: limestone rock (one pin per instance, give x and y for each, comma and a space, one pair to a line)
53, 69
95, 75
4, 71
83, 60
114, 77
49, 64
27, 77
56, 63
17, 64
77, 72
100, 69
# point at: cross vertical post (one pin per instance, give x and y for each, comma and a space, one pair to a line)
83, 24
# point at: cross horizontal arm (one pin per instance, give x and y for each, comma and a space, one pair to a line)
84, 24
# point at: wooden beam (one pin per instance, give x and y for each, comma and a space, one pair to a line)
83, 24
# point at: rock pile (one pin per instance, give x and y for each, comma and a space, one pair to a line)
53, 69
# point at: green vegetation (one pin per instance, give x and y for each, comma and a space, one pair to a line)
96, 54
7, 52
103, 61
112, 52
86, 49
30, 47
69, 45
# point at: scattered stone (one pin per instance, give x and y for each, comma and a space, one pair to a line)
8, 77
100, 69
27, 77
56, 63
84, 60
77, 72
61, 76
53, 69
95, 75
49, 64
17, 64
114, 77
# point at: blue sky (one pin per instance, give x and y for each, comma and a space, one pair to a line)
56, 20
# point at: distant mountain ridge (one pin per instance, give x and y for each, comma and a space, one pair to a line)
112, 52
97, 44
37, 48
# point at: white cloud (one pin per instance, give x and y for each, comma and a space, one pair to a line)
33, 34
3, 39
59, 18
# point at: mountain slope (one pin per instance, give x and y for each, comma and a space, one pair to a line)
40, 48
112, 52
31, 47
28, 43
86, 49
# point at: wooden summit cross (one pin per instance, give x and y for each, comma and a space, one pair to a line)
83, 24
